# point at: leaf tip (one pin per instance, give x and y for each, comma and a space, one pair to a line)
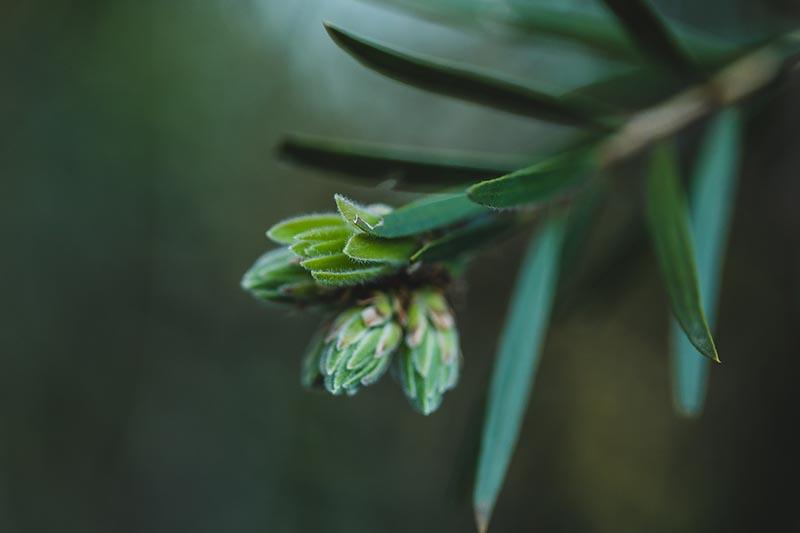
713, 354
688, 412
274, 234
334, 32
706, 347
342, 204
482, 515
473, 193
289, 145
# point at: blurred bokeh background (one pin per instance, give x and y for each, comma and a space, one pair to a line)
142, 390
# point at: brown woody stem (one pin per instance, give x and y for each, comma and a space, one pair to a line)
739, 80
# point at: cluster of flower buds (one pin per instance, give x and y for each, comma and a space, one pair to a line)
330, 259
416, 331
334, 250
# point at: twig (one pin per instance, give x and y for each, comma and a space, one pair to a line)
739, 80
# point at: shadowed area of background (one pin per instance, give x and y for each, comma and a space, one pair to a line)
142, 390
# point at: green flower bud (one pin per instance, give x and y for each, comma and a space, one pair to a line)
278, 276
358, 347
429, 361
334, 249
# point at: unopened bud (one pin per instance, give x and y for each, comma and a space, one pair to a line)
278, 276
359, 345
429, 361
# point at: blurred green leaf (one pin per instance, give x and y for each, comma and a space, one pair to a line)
655, 40
596, 33
285, 231
600, 34
515, 367
630, 90
535, 184
413, 167
669, 229
466, 239
712, 201
789, 44
444, 78
431, 212
581, 219
362, 247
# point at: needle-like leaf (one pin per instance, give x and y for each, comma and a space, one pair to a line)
630, 90
672, 240
596, 33
515, 367
535, 184
463, 240
408, 167
712, 199
428, 213
461, 82
646, 28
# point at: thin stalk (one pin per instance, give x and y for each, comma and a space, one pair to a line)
739, 80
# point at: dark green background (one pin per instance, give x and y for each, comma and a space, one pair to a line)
142, 390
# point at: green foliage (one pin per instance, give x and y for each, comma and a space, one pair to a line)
463, 240
602, 35
430, 359
285, 232
432, 212
330, 249
382, 272
593, 33
712, 199
407, 167
535, 184
355, 276
371, 249
645, 28
358, 216
467, 84
632, 89
414, 329
517, 358
278, 276
357, 349
669, 226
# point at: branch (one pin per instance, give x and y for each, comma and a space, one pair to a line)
738, 81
